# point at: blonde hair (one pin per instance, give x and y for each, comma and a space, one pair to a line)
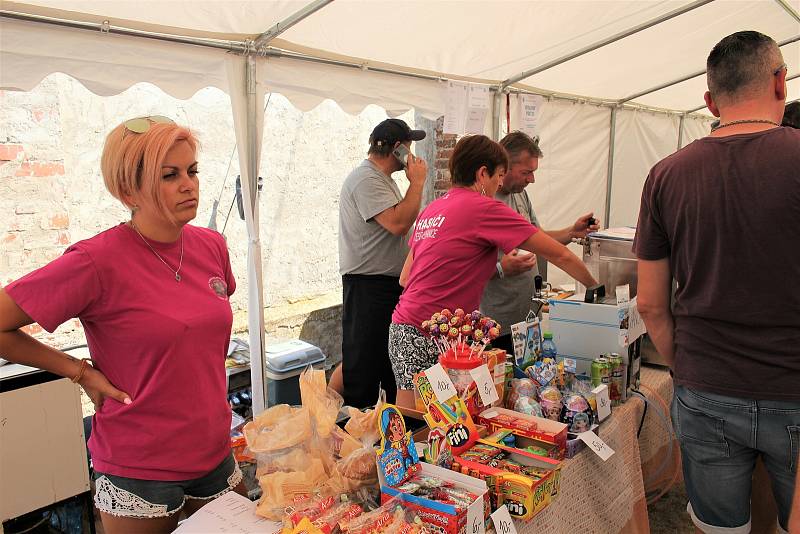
131, 162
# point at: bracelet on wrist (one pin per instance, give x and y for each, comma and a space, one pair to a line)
82, 370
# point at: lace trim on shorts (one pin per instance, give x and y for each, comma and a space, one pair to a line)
233, 481
121, 503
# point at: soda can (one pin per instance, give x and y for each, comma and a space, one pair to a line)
617, 386
600, 371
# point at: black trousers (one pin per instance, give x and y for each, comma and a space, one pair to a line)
367, 306
504, 342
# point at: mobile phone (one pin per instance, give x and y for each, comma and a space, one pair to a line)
401, 153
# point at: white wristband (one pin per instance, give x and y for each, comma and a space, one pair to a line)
500, 273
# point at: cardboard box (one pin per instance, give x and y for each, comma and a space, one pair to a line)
525, 496
545, 430
441, 517
584, 331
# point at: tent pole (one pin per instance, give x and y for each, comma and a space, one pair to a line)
104, 27
689, 76
497, 114
610, 171
789, 9
607, 41
254, 270
263, 40
680, 131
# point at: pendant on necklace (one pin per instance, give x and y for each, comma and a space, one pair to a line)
177, 277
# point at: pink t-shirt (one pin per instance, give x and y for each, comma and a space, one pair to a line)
454, 246
161, 341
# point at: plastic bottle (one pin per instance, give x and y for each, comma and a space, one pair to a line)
548, 346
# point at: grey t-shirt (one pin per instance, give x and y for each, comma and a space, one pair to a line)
366, 247
508, 300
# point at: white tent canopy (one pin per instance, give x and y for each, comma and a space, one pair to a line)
621, 60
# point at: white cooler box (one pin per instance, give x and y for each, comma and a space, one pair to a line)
284, 363
584, 331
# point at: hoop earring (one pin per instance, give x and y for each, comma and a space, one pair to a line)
134, 209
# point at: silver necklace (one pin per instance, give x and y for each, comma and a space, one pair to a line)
180, 262
745, 121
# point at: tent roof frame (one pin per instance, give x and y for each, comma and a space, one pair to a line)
260, 46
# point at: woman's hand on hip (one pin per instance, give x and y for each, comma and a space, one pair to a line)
98, 388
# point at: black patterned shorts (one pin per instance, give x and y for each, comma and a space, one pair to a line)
410, 352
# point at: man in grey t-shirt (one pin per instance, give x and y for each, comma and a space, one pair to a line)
374, 218
507, 297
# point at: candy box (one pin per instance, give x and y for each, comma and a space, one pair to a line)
526, 487
544, 430
439, 516
508, 438
399, 466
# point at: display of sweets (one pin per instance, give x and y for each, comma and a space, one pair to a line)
528, 405
577, 414
461, 333
438, 490
550, 399
522, 387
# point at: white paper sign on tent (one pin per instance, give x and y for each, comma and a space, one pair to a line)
530, 109
231, 513
455, 109
477, 108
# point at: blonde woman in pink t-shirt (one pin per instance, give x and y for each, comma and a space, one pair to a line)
453, 254
152, 296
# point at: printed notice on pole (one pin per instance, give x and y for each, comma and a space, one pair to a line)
486, 389
530, 110
502, 521
596, 444
442, 386
477, 108
455, 109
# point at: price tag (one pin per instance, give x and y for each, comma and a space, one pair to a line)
486, 389
596, 444
603, 402
442, 386
475, 524
502, 521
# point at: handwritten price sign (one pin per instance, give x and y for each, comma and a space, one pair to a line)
486, 389
442, 386
599, 447
475, 523
502, 521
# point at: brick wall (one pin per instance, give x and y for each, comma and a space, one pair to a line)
444, 149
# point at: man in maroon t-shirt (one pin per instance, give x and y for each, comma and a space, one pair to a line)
720, 216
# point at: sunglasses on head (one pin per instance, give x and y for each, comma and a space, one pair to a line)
140, 125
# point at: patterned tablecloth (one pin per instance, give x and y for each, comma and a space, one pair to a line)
608, 497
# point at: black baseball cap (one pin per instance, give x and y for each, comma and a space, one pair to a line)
391, 131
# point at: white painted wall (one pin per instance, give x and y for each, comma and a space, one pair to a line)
52, 194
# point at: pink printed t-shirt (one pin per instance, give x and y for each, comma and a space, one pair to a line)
161, 341
454, 246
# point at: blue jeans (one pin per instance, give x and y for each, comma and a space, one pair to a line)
721, 438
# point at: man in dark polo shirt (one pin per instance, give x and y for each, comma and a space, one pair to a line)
374, 218
720, 216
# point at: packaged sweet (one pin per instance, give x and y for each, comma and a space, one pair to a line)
363, 425
323, 403
577, 413
390, 518
528, 405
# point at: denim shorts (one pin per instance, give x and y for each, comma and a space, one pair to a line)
721, 438
148, 499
